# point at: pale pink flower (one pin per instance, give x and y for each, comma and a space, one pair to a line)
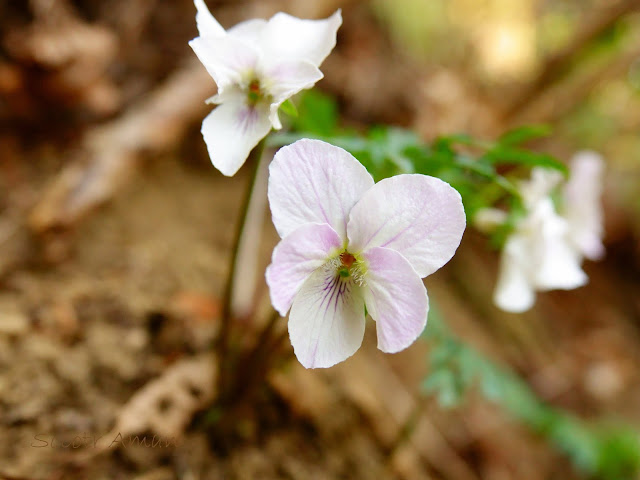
347, 242
257, 65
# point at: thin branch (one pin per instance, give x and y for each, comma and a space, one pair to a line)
110, 152
559, 64
562, 98
254, 161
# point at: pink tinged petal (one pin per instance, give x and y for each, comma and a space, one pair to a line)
231, 131
395, 298
419, 216
297, 39
583, 209
207, 24
295, 258
228, 60
312, 181
514, 292
326, 323
284, 80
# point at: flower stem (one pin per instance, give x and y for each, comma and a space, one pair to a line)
227, 310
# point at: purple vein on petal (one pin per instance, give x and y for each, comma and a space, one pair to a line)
248, 117
373, 235
397, 235
335, 290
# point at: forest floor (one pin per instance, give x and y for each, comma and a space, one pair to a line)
95, 308
90, 316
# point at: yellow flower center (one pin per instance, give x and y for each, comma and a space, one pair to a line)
348, 265
254, 92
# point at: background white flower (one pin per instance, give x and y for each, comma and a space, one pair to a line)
547, 247
257, 65
582, 204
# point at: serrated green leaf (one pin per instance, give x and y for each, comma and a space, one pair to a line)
515, 156
523, 134
436, 380
442, 383
491, 384
612, 454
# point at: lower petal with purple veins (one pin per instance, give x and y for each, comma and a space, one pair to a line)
326, 323
231, 131
295, 258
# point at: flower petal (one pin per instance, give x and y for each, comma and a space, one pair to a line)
207, 24
560, 268
542, 183
231, 131
285, 79
419, 216
582, 209
514, 292
250, 30
395, 298
326, 323
556, 264
312, 181
295, 258
227, 59
297, 39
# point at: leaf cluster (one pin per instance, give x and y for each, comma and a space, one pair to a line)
484, 173
605, 451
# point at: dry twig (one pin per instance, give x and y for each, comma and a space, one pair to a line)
556, 66
109, 152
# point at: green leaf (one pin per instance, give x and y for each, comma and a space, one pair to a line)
449, 141
523, 134
491, 384
443, 384
618, 457
318, 114
607, 454
289, 108
515, 156
488, 172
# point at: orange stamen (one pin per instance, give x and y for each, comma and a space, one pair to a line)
347, 259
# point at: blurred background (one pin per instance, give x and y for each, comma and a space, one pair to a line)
115, 232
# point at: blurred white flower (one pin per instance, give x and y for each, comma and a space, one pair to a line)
257, 65
537, 256
547, 247
582, 207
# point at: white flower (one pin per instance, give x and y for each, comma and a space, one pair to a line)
582, 207
347, 242
257, 65
537, 256
546, 249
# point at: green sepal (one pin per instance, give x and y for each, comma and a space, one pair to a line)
289, 108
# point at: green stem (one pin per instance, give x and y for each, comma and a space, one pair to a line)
227, 313
255, 364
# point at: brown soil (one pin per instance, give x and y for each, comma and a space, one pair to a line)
92, 312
